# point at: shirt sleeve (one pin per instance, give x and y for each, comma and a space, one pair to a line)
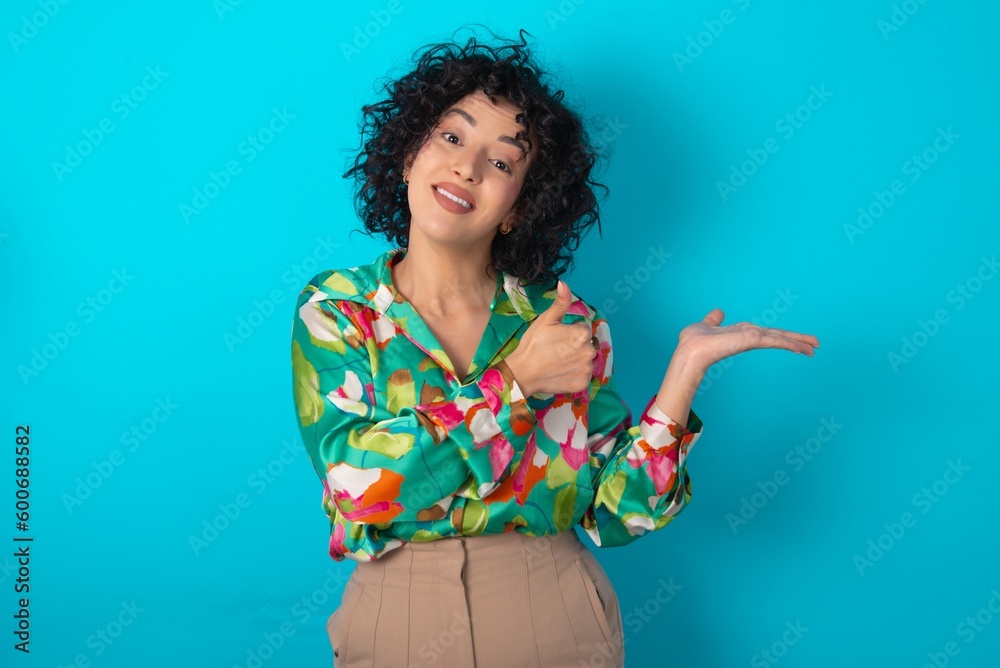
402, 461
640, 478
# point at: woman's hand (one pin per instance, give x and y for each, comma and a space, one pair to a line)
702, 344
553, 357
707, 342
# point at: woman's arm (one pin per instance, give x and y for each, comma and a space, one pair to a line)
680, 383
639, 471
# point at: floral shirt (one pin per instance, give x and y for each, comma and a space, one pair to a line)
407, 452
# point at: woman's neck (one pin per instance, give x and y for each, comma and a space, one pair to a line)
444, 286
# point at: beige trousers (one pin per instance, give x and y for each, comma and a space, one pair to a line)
493, 601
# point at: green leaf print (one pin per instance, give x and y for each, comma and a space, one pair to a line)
564, 506
522, 303
336, 344
558, 473
424, 536
506, 307
310, 402
381, 441
468, 488
474, 518
340, 283
611, 491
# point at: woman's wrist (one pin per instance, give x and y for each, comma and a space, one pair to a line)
520, 374
680, 383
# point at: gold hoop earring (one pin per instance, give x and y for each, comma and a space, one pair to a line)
503, 231
405, 182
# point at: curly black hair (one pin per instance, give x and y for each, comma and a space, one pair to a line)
556, 205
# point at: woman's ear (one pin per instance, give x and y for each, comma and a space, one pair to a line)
511, 220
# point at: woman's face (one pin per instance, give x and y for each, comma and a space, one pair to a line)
472, 154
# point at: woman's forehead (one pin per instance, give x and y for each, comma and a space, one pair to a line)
474, 106
477, 103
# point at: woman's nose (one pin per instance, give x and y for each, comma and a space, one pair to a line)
465, 166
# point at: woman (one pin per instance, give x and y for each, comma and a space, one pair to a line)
457, 401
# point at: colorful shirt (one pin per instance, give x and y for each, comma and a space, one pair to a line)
407, 452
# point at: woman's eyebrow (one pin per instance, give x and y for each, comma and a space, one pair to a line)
471, 121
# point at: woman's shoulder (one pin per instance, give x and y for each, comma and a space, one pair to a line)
356, 283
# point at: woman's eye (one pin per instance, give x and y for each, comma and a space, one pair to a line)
501, 164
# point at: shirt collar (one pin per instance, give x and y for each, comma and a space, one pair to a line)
372, 286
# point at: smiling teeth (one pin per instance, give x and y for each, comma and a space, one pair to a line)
453, 198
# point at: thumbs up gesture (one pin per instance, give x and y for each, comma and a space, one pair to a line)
553, 357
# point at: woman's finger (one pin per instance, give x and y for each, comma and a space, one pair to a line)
770, 339
798, 336
714, 317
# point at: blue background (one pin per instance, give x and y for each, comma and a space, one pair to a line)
150, 302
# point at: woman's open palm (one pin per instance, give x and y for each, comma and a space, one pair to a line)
708, 341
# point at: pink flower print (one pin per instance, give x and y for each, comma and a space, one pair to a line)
662, 469
564, 421
337, 548
577, 307
445, 414
493, 379
501, 454
352, 311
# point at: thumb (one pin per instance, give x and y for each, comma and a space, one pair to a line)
557, 310
714, 317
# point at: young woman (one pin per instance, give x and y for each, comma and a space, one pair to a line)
457, 401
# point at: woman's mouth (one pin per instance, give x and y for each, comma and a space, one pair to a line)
451, 201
